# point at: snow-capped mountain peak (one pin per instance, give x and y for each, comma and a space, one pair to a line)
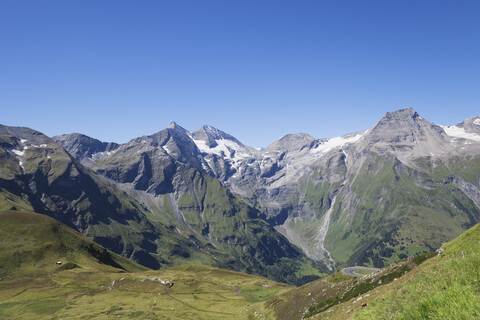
210, 140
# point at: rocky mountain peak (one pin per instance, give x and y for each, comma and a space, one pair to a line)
177, 143
208, 128
211, 135
471, 125
27, 135
406, 135
400, 125
172, 132
404, 118
402, 113
80, 145
172, 125
176, 131
291, 142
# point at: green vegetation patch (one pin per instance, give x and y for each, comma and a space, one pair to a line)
365, 272
134, 314
47, 306
4, 307
257, 294
338, 277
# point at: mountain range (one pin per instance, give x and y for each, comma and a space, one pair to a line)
300, 208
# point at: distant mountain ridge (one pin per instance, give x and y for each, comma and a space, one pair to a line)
312, 190
402, 187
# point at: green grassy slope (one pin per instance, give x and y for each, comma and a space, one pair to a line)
401, 211
430, 286
235, 227
32, 243
445, 287
386, 211
95, 283
198, 292
323, 296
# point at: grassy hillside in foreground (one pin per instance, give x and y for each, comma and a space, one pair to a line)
443, 287
93, 283
324, 295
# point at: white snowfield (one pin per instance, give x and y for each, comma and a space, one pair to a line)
477, 122
456, 132
337, 142
223, 149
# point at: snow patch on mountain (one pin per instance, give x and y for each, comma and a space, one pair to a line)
167, 149
456, 132
337, 142
19, 152
477, 122
226, 149
43, 145
101, 155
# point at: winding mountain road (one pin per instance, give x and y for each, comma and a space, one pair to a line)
352, 271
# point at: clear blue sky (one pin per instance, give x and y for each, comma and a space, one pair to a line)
116, 70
